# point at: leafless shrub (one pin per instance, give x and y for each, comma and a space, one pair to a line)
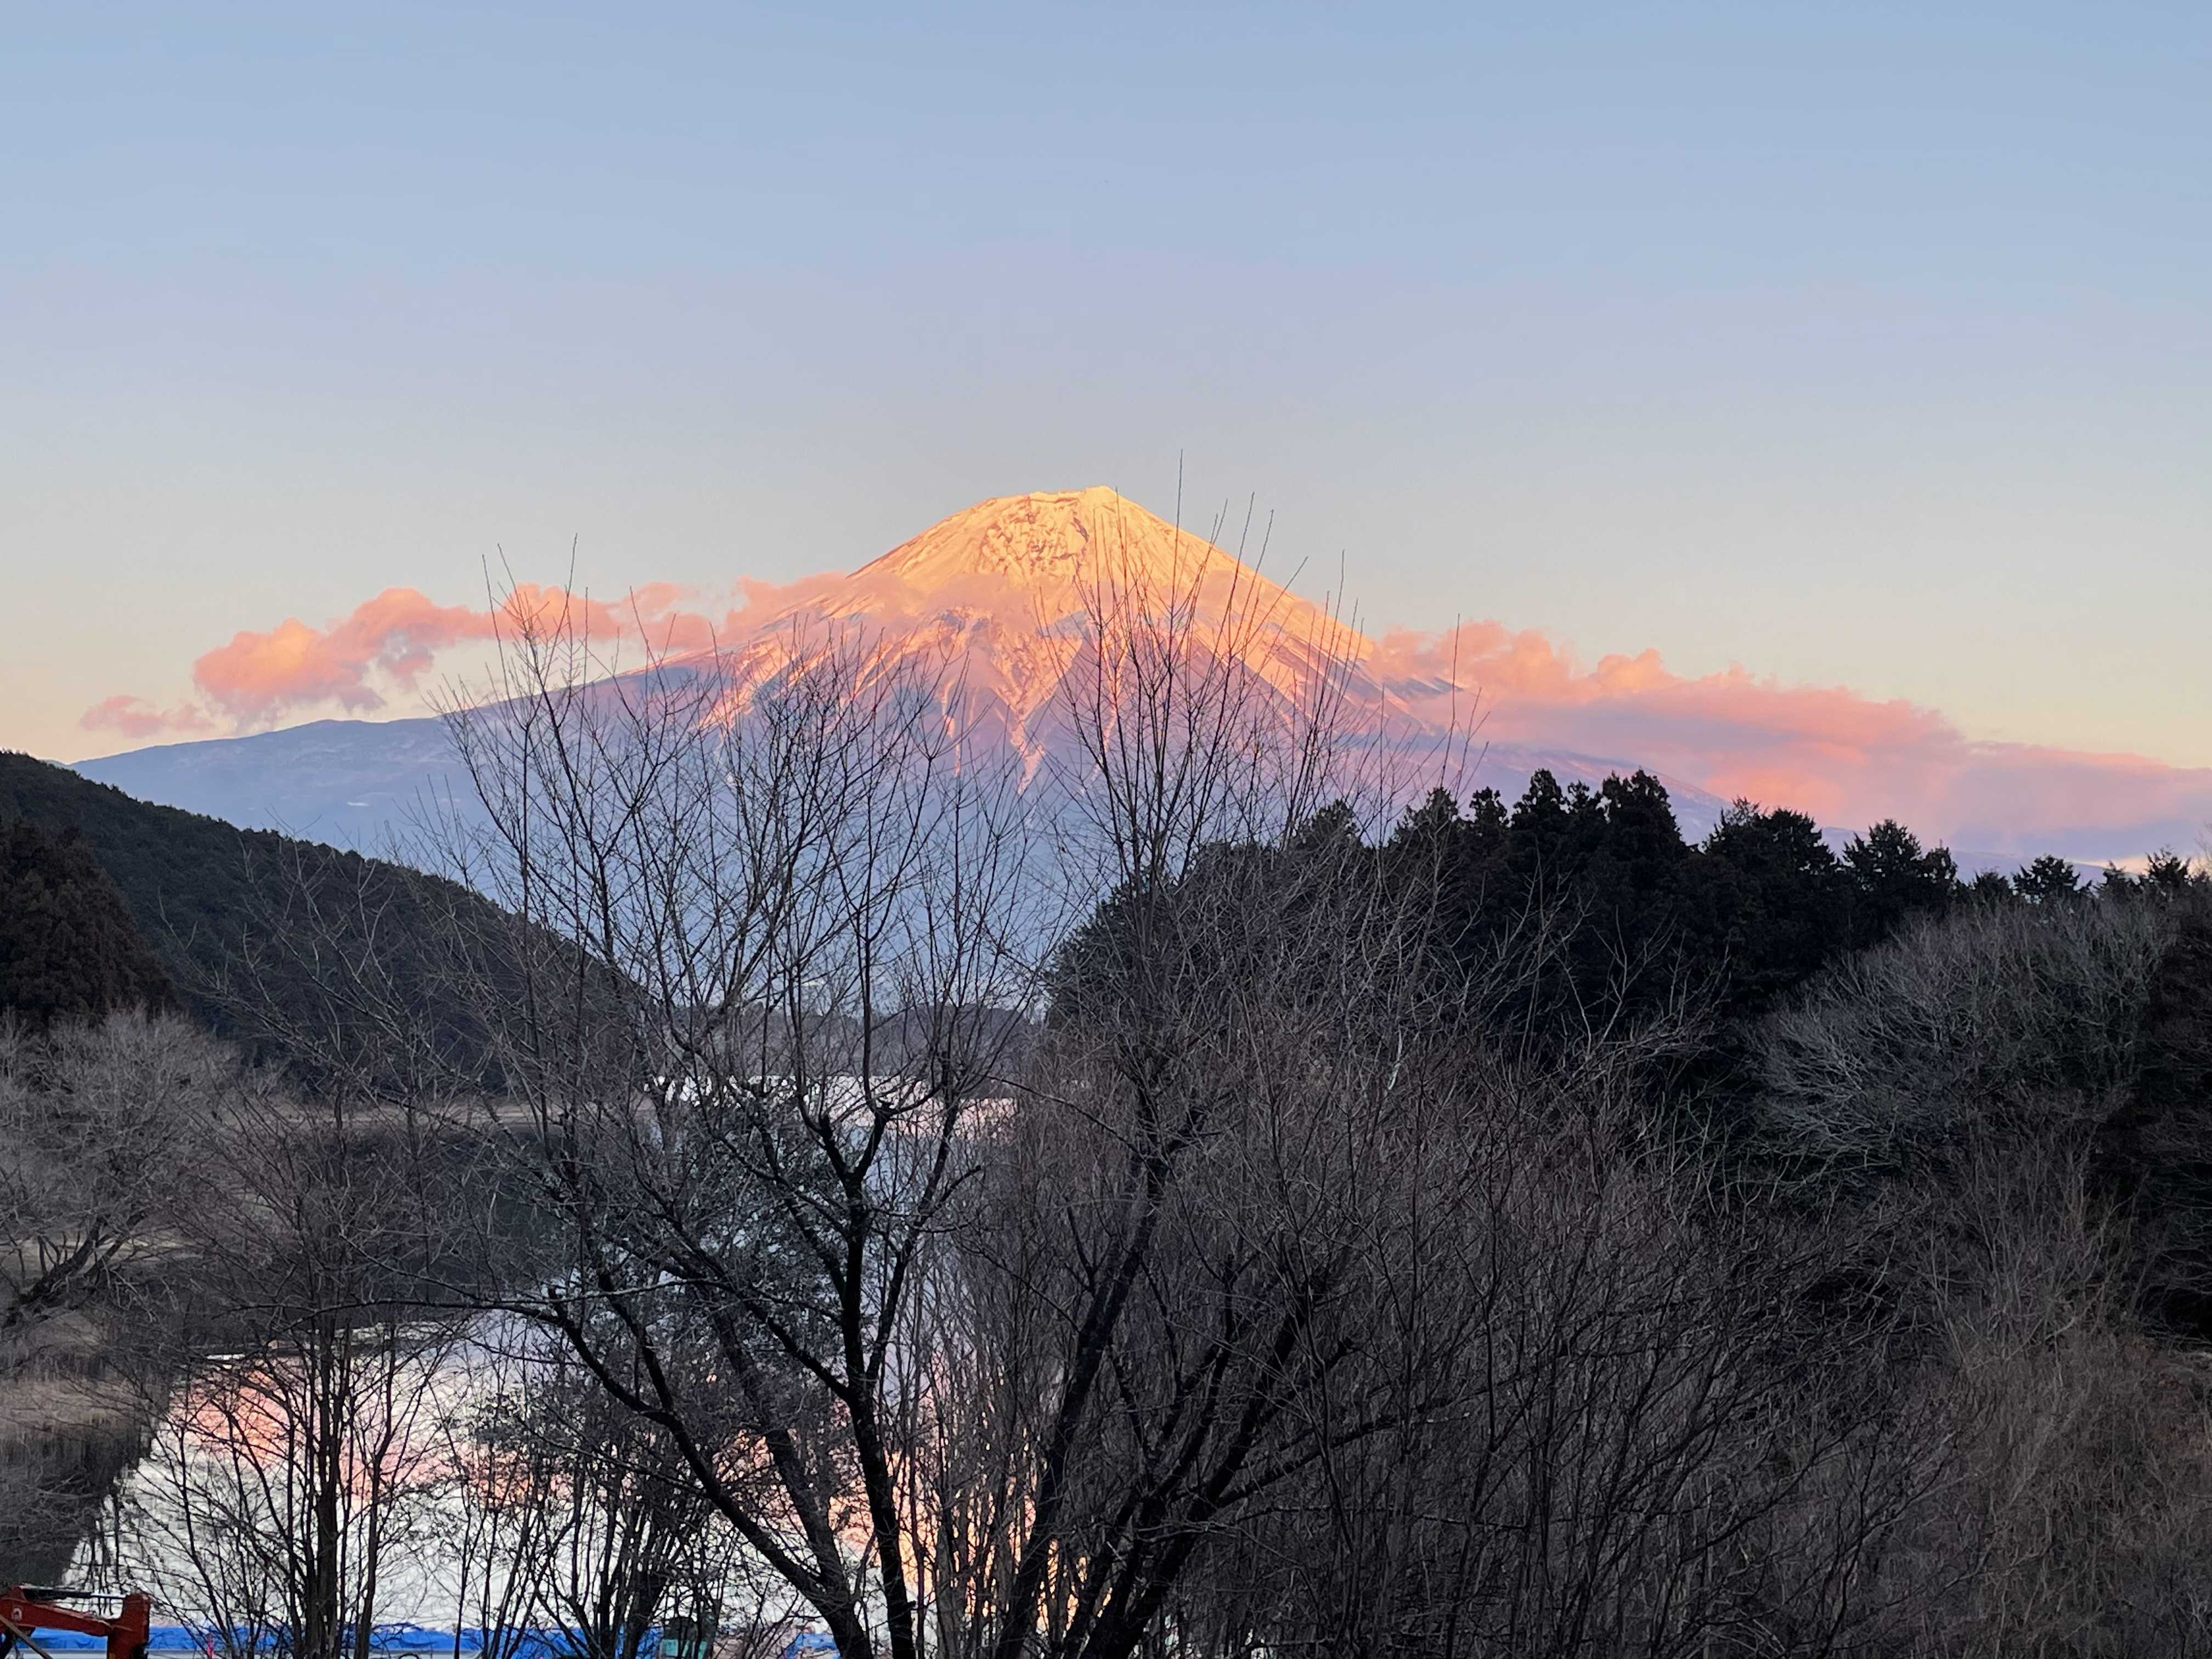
2075, 1517
1990, 1020
1982, 1081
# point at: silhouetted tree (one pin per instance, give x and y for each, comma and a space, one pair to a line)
1990, 888
1775, 900
2049, 880
1894, 880
2170, 875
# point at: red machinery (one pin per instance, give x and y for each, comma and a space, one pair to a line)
30, 1607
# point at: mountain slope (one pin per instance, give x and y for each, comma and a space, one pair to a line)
350, 783
993, 602
69, 949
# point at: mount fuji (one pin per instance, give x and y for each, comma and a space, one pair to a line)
996, 599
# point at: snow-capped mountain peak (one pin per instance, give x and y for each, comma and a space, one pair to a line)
992, 608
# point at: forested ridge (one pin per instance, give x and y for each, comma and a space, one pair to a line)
268, 939
188, 880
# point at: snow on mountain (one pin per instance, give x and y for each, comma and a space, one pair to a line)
994, 602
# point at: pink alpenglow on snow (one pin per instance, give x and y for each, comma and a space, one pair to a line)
999, 593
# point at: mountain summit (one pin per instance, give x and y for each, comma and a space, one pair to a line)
1041, 559
1046, 540
992, 602
996, 601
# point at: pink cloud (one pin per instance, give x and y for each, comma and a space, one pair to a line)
1846, 758
385, 647
391, 638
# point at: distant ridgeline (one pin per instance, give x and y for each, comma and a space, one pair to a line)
295, 948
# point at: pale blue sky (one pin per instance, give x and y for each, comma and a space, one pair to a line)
1865, 344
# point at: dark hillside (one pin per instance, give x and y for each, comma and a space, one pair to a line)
321, 955
68, 947
184, 878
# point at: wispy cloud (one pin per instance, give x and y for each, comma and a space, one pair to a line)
134, 717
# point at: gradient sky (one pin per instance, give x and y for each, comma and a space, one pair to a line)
1864, 345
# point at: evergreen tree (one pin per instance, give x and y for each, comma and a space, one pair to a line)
1643, 840
2049, 880
1992, 889
1894, 880
1536, 835
1487, 820
1775, 901
2169, 875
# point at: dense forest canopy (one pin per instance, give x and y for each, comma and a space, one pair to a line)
1750, 912
1621, 919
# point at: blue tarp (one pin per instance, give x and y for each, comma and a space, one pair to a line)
393, 1639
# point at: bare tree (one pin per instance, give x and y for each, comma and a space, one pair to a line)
1272, 1292
788, 943
294, 1447
101, 1158
1173, 1252
574, 1515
